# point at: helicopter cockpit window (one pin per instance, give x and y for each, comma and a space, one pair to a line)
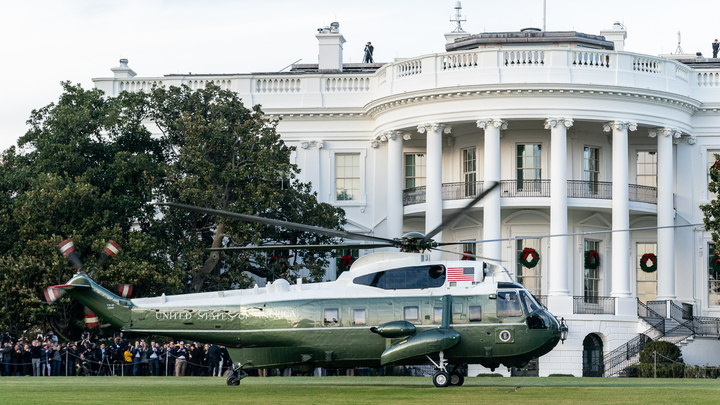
528, 303
508, 304
331, 316
416, 277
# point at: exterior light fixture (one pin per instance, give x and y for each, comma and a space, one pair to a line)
563, 330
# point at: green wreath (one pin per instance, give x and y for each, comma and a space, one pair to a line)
715, 263
644, 263
592, 259
715, 171
523, 258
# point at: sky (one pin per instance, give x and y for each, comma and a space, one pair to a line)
46, 42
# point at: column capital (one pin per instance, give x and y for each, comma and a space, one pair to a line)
435, 127
670, 132
552, 122
620, 126
314, 142
392, 135
485, 123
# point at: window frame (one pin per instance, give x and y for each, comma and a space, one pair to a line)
364, 312
415, 177
652, 152
362, 200
417, 313
470, 186
325, 319
521, 183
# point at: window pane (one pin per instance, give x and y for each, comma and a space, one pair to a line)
331, 316
347, 176
508, 304
359, 317
475, 313
411, 314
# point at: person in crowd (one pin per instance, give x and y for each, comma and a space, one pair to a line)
56, 361
206, 361
83, 368
136, 355
36, 355
7, 354
162, 352
128, 358
154, 359
25, 366
181, 354
144, 350
72, 356
226, 362
214, 357
194, 360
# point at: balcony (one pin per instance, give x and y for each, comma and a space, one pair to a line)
594, 305
601, 190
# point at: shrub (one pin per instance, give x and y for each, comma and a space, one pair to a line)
561, 375
646, 370
668, 350
490, 375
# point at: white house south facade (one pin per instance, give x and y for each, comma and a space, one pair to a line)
582, 137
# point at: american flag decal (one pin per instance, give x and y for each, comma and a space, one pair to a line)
460, 274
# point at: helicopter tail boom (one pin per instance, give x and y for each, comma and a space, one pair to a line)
107, 306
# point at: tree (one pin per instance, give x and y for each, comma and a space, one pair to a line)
712, 210
85, 170
225, 156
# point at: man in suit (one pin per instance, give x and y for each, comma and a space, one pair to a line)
136, 354
181, 355
214, 360
154, 358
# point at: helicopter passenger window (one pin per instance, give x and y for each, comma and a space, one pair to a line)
508, 304
475, 313
437, 314
528, 303
412, 314
331, 316
359, 317
416, 277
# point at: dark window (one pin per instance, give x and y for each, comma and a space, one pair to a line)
418, 277
508, 304
331, 316
475, 313
528, 303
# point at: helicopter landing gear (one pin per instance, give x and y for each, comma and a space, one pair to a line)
236, 375
446, 375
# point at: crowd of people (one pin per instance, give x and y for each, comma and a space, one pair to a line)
45, 356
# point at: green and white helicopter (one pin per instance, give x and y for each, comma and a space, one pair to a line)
390, 308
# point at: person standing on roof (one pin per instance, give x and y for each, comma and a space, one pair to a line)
716, 46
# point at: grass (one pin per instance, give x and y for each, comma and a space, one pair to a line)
355, 390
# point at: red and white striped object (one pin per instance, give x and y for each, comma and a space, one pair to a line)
112, 248
66, 247
91, 320
125, 290
460, 274
53, 294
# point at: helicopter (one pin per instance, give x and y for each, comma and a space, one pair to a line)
390, 308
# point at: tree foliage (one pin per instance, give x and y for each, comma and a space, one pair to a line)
87, 169
712, 209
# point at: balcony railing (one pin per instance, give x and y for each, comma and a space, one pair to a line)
594, 305
601, 190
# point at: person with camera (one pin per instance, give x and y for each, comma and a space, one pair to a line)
7, 355
368, 54
153, 355
83, 366
136, 355
181, 354
35, 355
24, 365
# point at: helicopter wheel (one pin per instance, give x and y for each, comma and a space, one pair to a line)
441, 379
456, 379
232, 380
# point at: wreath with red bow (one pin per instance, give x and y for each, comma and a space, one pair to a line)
715, 171
529, 253
648, 258
592, 259
467, 252
715, 263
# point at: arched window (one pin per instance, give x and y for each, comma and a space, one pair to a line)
593, 365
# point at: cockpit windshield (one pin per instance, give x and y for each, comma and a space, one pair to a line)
528, 303
508, 304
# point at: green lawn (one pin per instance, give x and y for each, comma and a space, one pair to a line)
356, 390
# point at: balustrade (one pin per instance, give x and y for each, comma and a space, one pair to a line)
277, 85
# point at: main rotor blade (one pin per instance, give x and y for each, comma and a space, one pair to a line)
305, 247
277, 222
470, 254
567, 234
455, 216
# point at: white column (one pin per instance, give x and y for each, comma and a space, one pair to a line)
558, 266
433, 179
492, 218
395, 183
665, 213
620, 208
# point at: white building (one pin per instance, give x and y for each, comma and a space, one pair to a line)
582, 136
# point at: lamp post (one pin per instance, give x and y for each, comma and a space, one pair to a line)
563, 330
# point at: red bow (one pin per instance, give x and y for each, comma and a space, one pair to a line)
529, 251
467, 257
346, 261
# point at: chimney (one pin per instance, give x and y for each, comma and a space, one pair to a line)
330, 56
123, 71
616, 35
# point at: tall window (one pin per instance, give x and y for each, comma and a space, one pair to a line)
646, 282
471, 248
711, 161
347, 176
713, 280
415, 170
592, 276
469, 167
530, 278
647, 168
591, 168
529, 171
